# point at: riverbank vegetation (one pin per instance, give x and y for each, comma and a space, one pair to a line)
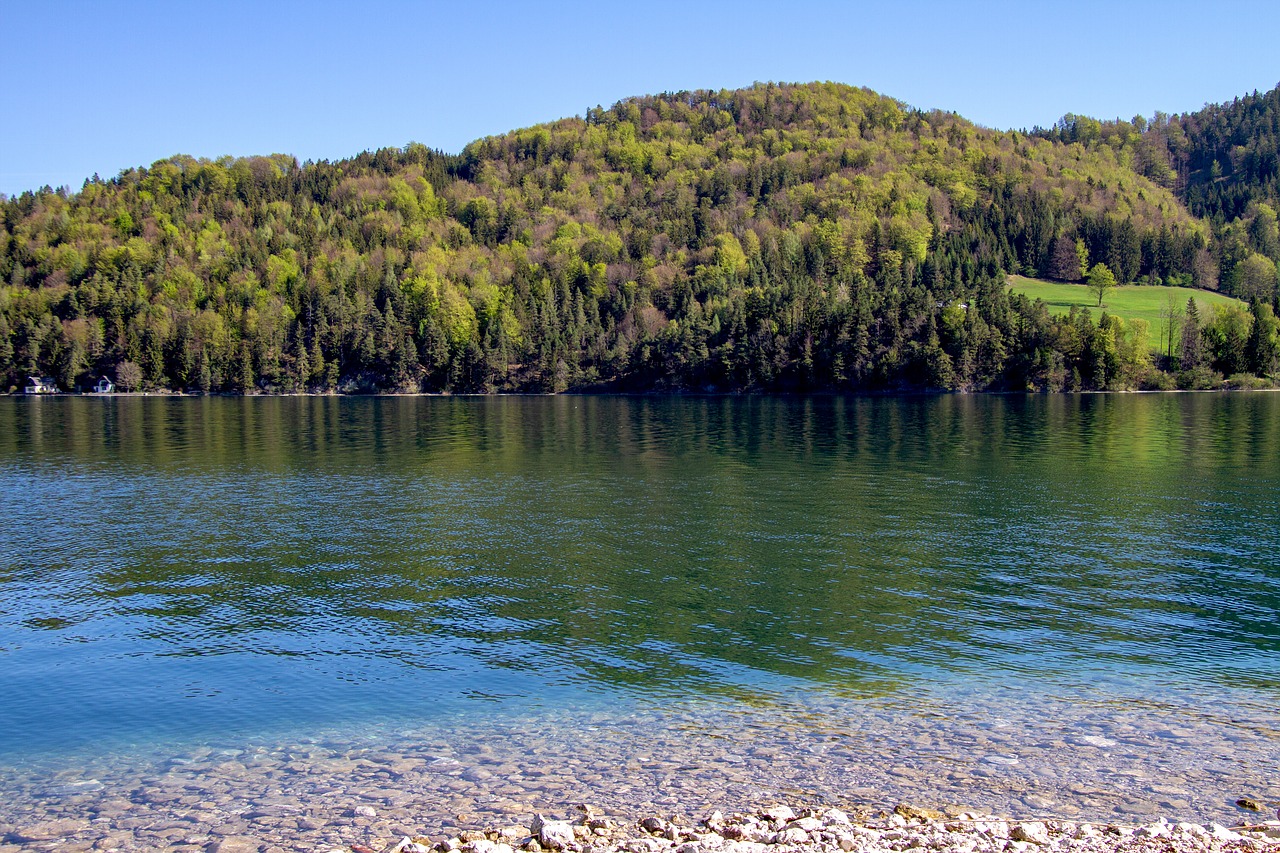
776, 238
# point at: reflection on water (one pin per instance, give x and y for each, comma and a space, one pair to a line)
179, 570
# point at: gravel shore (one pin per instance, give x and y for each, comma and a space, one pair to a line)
782, 829
776, 829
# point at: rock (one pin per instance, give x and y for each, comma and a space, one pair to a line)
792, 835
1249, 804
554, 834
992, 828
715, 820
642, 845
778, 814
1032, 832
49, 830
234, 844
364, 811
1221, 833
808, 824
836, 816
408, 845
917, 813
655, 825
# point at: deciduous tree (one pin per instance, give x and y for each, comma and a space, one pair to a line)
1101, 279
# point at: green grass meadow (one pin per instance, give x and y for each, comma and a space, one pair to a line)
1128, 301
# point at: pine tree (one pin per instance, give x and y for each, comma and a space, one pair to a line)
1262, 351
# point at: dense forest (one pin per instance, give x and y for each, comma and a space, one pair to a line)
776, 238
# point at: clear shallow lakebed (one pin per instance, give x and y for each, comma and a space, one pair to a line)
212, 609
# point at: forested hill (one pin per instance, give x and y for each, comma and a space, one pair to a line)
782, 237
1224, 164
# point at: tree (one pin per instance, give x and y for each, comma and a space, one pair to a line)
658, 245
1101, 279
128, 376
1064, 263
1190, 348
1082, 259
1228, 336
1263, 350
1126, 249
1172, 315
1255, 279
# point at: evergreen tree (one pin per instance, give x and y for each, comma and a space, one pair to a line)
1263, 350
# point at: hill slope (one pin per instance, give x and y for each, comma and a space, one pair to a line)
778, 237
1223, 161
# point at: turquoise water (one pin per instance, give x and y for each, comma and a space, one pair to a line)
179, 572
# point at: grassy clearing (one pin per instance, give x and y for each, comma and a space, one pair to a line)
1128, 302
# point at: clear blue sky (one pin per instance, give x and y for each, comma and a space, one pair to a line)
100, 86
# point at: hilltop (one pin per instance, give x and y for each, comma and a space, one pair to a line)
781, 237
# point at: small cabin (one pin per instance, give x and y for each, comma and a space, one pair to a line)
41, 385
104, 386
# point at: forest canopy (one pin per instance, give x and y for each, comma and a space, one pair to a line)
775, 238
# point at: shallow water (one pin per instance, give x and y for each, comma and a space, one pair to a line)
1038, 605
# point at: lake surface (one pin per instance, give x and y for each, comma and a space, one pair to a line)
1052, 604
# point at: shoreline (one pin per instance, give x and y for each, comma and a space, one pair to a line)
712, 394
861, 829
582, 828
351, 792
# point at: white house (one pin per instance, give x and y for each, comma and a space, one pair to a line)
39, 385
104, 386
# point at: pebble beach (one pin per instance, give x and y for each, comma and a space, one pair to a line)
1120, 781
774, 829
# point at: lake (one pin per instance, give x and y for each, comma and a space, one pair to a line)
1043, 605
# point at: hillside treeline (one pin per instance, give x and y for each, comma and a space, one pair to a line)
1223, 162
778, 238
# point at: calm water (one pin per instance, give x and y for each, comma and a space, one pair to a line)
946, 577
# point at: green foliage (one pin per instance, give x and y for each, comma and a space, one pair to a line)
1131, 302
1223, 163
781, 237
1101, 280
